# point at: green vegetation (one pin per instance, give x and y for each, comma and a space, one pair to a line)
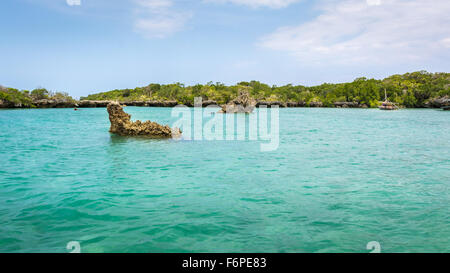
409, 90
11, 96
24, 98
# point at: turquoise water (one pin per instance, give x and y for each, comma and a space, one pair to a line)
339, 179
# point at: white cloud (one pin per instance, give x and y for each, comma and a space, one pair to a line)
154, 4
161, 27
373, 2
359, 31
446, 42
259, 3
73, 2
158, 19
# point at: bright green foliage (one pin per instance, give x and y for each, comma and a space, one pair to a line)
39, 94
409, 90
25, 98
15, 97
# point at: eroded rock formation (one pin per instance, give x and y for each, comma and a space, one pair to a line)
315, 104
55, 103
439, 102
295, 104
347, 104
243, 103
93, 103
271, 103
121, 124
6, 104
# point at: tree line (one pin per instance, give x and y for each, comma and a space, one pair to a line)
26, 98
409, 90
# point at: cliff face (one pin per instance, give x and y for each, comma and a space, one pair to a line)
121, 124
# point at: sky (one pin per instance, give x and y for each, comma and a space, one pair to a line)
88, 46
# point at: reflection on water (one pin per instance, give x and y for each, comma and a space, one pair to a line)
116, 139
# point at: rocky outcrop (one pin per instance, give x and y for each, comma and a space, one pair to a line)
315, 104
101, 103
154, 103
134, 103
438, 102
270, 103
9, 104
243, 103
92, 103
346, 104
295, 104
6, 104
204, 103
121, 124
49, 103
208, 103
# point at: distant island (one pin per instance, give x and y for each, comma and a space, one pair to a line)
411, 90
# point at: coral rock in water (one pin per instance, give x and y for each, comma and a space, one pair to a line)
244, 103
121, 124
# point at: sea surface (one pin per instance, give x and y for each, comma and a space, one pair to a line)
339, 179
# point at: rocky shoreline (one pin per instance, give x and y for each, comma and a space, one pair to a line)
443, 102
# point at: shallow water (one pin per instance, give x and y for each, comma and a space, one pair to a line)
339, 179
